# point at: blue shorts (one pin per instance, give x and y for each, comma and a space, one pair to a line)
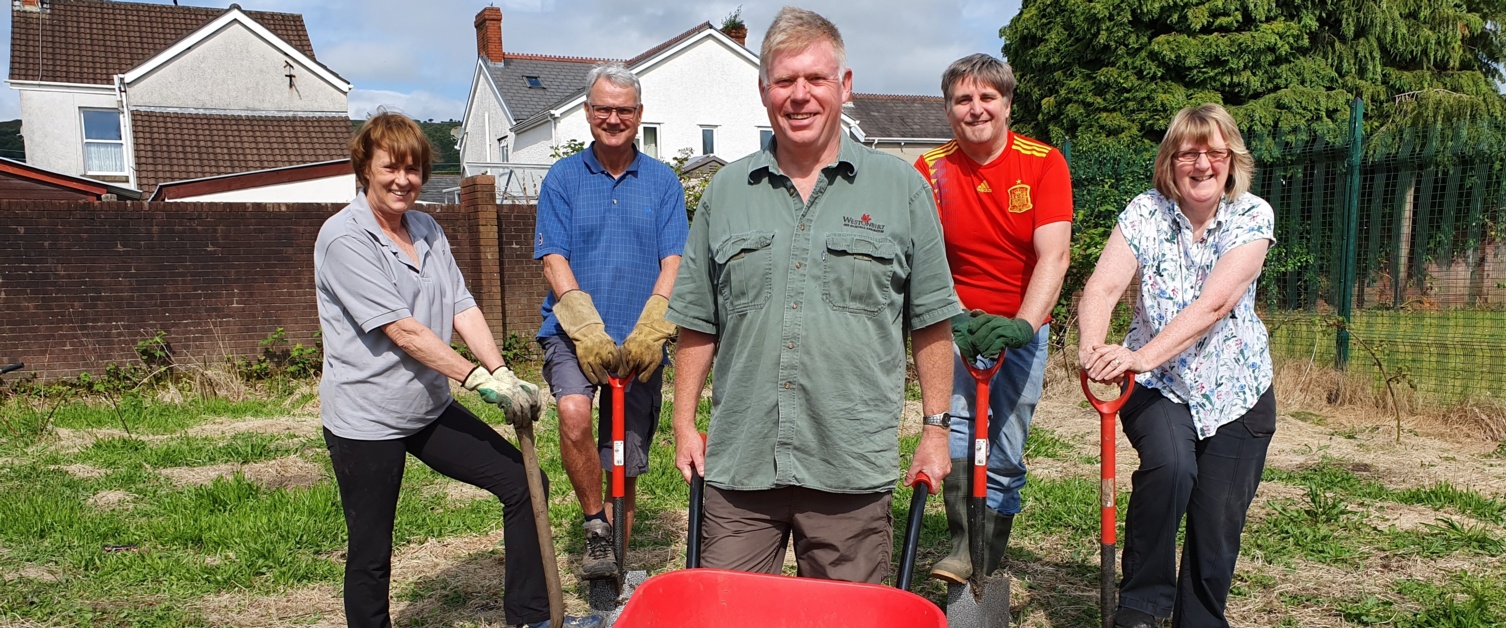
642, 403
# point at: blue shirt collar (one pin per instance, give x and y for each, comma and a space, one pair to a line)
593, 165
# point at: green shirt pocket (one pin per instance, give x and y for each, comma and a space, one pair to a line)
857, 273
745, 277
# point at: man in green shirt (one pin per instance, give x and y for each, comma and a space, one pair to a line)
806, 265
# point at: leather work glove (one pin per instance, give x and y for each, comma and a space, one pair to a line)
594, 349
506, 393
960, 324
643, 350
990, 335
533, 395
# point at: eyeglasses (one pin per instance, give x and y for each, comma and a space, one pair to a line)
603, 112
1190, 156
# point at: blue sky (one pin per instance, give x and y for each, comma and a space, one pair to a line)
418, 56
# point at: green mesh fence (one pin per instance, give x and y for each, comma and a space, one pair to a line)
1428, 278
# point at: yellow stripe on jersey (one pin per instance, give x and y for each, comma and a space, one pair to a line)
937, 154
1034, 149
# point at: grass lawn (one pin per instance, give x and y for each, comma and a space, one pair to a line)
143, 512
1448, 356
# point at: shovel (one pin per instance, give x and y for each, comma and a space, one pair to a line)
983, 602
540, 501
608, 594
1107, 496
697, 496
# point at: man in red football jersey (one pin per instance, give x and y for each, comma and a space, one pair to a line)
1006, 214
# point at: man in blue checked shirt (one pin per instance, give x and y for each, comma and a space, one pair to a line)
611, 227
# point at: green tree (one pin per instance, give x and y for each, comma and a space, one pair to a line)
1119, 69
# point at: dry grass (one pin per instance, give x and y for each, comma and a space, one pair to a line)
112, 500
287, 472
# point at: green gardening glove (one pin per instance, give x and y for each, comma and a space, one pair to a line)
960, 336
990, 335
507, 393
531, 396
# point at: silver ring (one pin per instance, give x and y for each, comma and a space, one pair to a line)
1116, 362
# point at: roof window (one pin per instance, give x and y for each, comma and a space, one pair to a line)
533, 82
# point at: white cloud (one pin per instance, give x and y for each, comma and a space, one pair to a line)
419, 105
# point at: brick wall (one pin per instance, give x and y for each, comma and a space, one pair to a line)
81, 283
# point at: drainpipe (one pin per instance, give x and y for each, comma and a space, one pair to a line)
126, 132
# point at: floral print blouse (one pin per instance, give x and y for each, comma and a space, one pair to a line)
1221, 375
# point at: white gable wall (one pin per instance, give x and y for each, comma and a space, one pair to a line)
336, 189
485, 121
235, 69
54, 128
707, 83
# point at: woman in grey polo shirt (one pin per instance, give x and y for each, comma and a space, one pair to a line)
390, 296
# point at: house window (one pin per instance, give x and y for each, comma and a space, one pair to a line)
708, 140
502, 150
764, 135
648, 140
533, 82
104, 150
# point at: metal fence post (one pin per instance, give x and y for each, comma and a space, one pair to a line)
1351, 235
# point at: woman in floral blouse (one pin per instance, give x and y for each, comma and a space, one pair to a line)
1204, 412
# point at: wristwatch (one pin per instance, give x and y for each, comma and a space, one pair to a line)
942, 419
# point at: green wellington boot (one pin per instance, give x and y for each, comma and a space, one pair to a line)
956, 567
997, 527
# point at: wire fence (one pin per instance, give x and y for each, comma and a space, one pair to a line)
1389, 262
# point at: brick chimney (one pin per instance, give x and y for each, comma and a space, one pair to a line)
31, 5
738, 33
489, 34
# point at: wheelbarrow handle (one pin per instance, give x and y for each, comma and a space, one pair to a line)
11, 367
924, 486
697, 497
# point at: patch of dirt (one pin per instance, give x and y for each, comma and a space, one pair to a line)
909, 419
82, 471
31, 572
112, 500
288, 472
457, 491
288, 425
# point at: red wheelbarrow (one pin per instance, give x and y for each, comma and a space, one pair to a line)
696, 597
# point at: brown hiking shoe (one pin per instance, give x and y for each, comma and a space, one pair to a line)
600, 560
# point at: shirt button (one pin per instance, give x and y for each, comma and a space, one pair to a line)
787, 385
790, 345
795, 306
797, 265
802, 227
614, 201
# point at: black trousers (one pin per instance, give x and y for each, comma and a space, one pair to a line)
460, 446
1212, 481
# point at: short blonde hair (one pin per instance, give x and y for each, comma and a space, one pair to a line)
395, 133
795, 29
1194, 125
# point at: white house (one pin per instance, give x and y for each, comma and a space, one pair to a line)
144, 94
700, 92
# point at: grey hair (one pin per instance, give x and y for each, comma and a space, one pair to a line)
616, 74
795, 29
980, 67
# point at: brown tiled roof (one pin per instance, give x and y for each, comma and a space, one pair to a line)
178, 146
90, 41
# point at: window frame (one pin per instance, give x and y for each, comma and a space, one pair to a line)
85, 141
642, 143
708, 140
